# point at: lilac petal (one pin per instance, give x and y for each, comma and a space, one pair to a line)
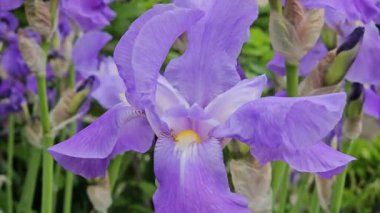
209, 63
372, 103
143, 48
86, 51
88, 153
365, 67
193, 179
110, 84
13, 62
10, 4
294, 123
307, 63
224, 105
89, 14
167, 96
319, 158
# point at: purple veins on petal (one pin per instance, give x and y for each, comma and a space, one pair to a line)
275, 128
88, 153
193, 178
209, 62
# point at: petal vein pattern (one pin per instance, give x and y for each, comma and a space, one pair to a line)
88, 153
193, 179
209, 63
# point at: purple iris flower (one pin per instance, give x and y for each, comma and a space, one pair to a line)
8, 25
197, 106
13, 62
365, 67
372, 103
341, 12
88, 14
6, 5
12, 95
87, 60
307, 63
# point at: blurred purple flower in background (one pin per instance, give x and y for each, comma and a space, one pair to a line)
372, 103
307, 63
8, 26
197, 106
10, 4
88, 62
88, 14
11, 97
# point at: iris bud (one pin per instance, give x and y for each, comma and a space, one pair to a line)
39, 17
32, 54
352, 126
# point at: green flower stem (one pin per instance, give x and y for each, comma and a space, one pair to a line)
292, 79
301, 191
115, 170
29, 187
276, 5
340, 182
10, 151
69, 181
284, 190
48, 140
314, 206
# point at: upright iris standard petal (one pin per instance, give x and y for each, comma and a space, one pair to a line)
86, 51
276, 128
193, 178
142, 50
209, 63
224, 105
6, 5
307, 63
88, 14
88, 153
365, 67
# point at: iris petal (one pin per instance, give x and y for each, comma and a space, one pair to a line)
276, 128
143, 48
228, 102
88, 153
214, 43
193, 179
365, 67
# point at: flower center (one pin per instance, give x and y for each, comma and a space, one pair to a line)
187, 136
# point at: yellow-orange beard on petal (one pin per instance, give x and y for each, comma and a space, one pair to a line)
187, 137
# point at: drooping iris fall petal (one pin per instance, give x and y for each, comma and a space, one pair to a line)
193, 179
275, 126
88, 153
